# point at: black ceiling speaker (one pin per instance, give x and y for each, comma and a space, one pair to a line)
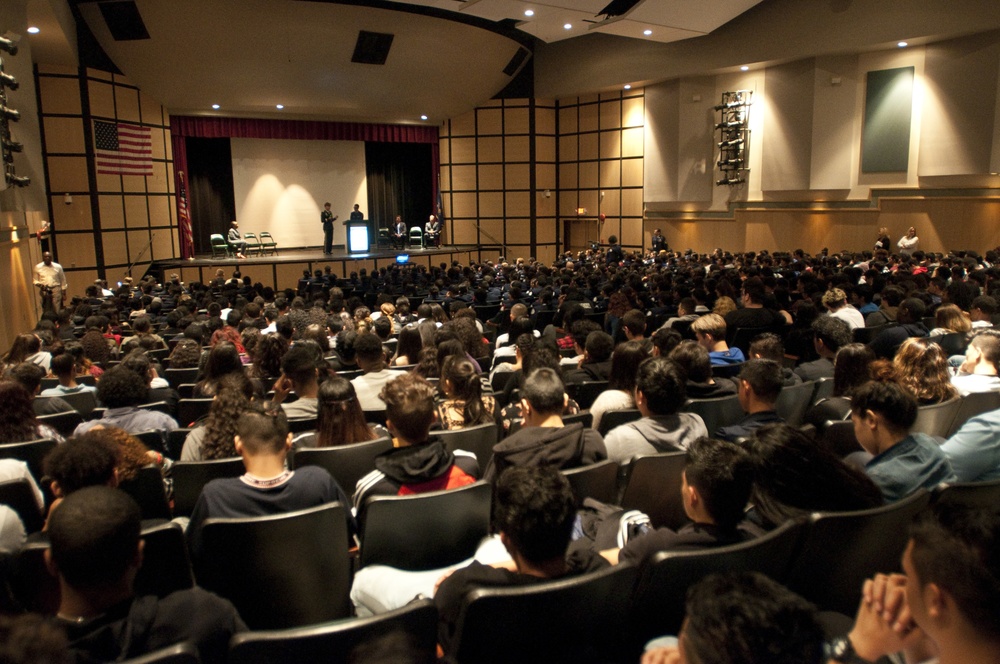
618, 8
124, 20
372, 48
516, 62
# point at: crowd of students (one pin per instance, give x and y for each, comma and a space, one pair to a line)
403, 351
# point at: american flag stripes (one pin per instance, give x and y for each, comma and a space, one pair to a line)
184, 220
123, 149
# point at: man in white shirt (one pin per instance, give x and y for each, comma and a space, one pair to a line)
371, 360
835, 300
51, 281
978, 372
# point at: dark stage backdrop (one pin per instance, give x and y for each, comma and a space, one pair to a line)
210, 189
400, 181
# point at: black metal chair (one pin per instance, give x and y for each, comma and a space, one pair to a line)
285, 570
586, 393
20, 496
597, 480
190, 411
479, 440
974, 404
616, 418
582, 618
427, 530
32, 452
346, 463
147, 489
653, 486
718, 412
191, 476
334, 642
64, 423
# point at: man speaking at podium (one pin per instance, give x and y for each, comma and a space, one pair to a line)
327, 218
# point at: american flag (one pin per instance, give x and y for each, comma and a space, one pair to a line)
123, 149
184, 220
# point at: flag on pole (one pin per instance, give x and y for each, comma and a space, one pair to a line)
183, 219
123, 149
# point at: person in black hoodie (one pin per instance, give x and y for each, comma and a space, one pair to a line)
543, 438
96, 552
416, 464
596, 363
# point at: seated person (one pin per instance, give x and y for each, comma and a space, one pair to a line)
883, 413
543, 438
769, 346
417, 464
715, 487
371, 360
753, 312
982, 310
659, 394
596, 362
96, 551
29, 375
945, 607
432, 231
697, 366
267, 487
974, 450
829, 335
978, 372
910, 318
300, 368
158, 388
759, 386
534, 511
398, 233
236, 240
743, 617
122, 391
710, 333
90, 459
64, 368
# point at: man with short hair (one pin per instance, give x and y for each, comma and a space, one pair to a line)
596, 362
634, 323
978, 372
982, 311
829, 334
534, 511
64, 368
754, 313
769, 346
30, 375
543, 438
326, 217
371, 360
910, 318
51, 282
122, 391
267, 487
710, 332
299, 372
759, 386
659, 395
946, 604
835, 301
685, 313
96, 552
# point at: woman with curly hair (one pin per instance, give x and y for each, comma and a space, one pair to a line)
467, 332
185, 355
18, 423
340, 419
214, 439
921, 368
464, 404
250, 336
267, 356
96, 346
133, 456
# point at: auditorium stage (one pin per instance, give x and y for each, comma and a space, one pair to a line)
285, 269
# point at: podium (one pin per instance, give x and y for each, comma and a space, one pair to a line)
358, 237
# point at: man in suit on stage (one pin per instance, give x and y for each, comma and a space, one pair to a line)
432, 232
399, 233
327, 218
357, 215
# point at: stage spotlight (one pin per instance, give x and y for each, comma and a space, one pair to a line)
9, 45
9, 113
11, 146
18, 180
6, 80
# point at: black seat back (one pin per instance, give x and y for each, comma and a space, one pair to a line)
346, 463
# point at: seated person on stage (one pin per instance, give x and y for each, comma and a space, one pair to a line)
398, 232
710, 332
697, 366
945, 607
268, 487
236, 240
122, 391
96, 551
543, 438
534, 511
759, 386
300, 369
829, 335
659, 394
902, 462
743, 618
432, 232
416, 464
596, 362
715, 487
978, 372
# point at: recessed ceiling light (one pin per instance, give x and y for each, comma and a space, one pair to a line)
529, 12
902, 44
33, 30
280, 106
423, 117
744, 68
568, 26
647, 32
215, 106
628, 86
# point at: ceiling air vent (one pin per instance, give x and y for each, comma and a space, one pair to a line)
372, 48
124, 20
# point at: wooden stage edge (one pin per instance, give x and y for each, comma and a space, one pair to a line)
284, 269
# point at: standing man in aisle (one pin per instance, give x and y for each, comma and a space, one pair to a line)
327, 218
51, 281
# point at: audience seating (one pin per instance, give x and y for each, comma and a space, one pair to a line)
32, 452
936, 420
616, 418
425, 531
952, 344
376, 417
285, 570
978, 494
64, 423
479, 440
972, 405
153, 439
794, 401
584, 417
182, 653
653, 486
334, 642
82, 402
20, 497
220, 248
839, 438
577, 619
718, 412
839, 551
824, 390
191, 476
190, 411
598, 481
302, 424
586, 393
175, 442
727, 370
178, 377
864, 335
658, 606
147, 489
346, 463
741, 337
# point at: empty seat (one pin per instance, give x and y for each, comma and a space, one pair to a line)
147, 490
346, 463
616, 418
285, 570
598, 481
936, 420
189, 411
32, 452
191, 476
64, 423
653, 486
586, 393
718, 412
974, 404
178, 377
794, 401
479, 440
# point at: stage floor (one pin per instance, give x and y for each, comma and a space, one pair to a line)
310, 255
